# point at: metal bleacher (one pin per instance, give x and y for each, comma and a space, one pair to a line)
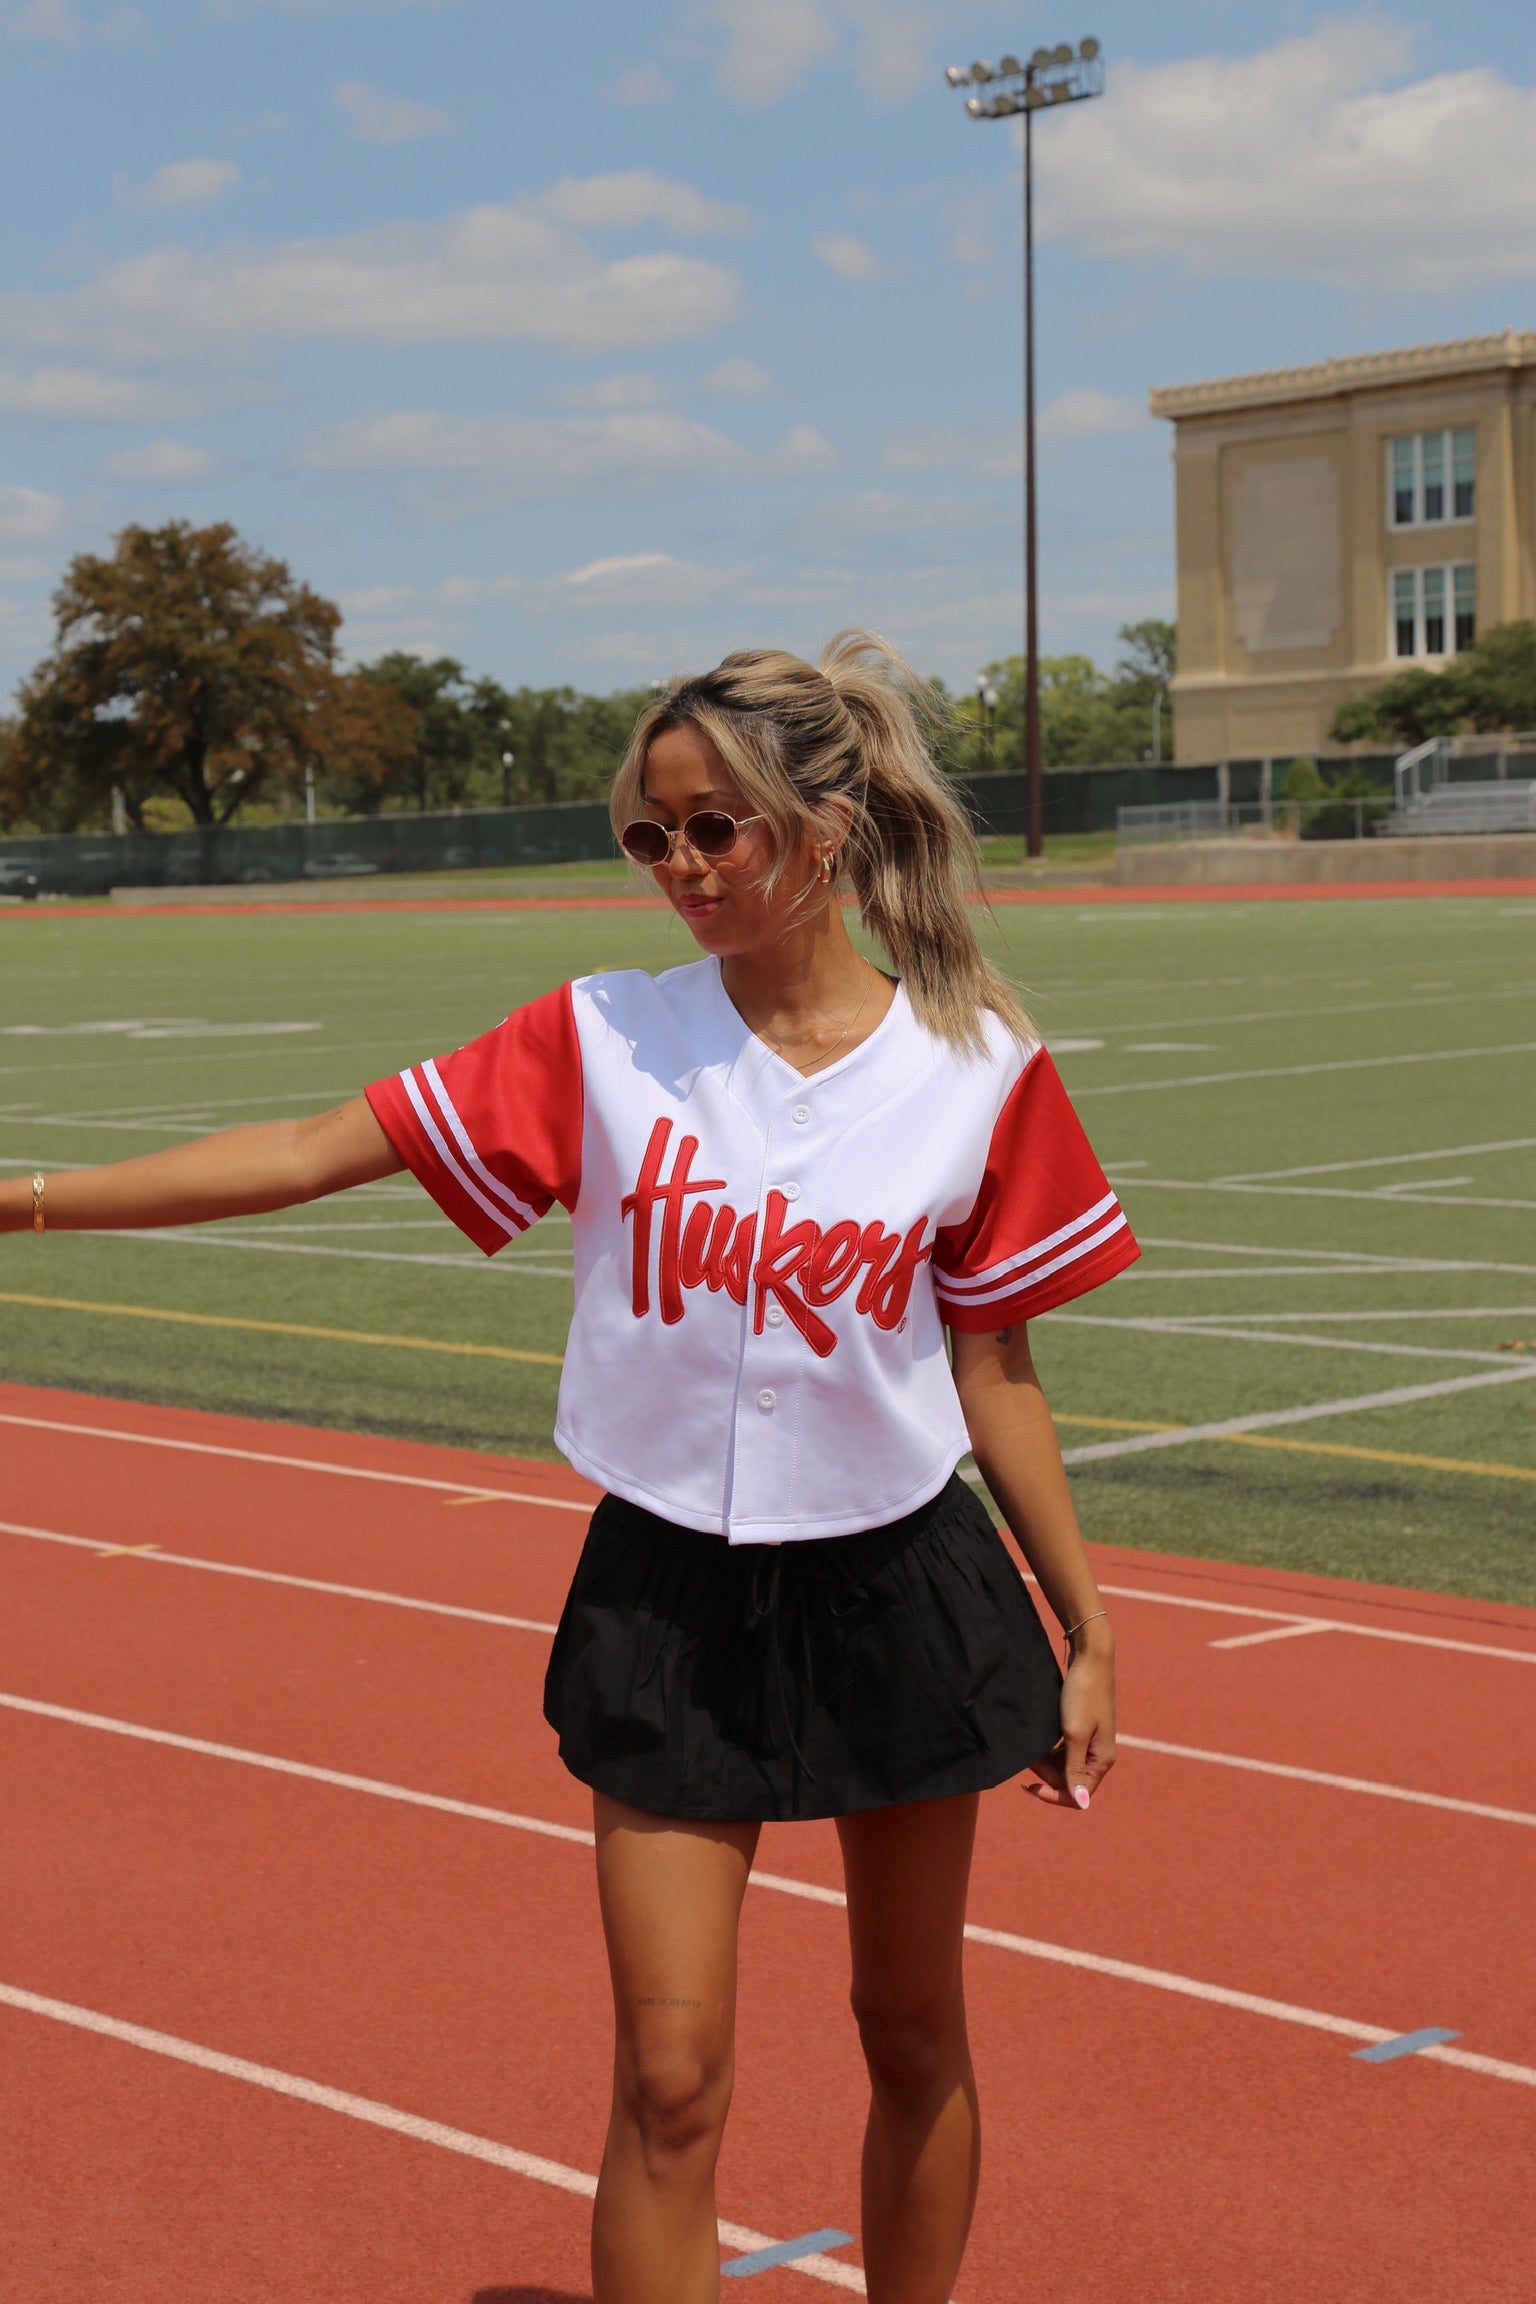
1460, 784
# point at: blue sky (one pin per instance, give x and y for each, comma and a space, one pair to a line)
586, 343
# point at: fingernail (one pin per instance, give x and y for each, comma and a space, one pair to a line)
1080, 1795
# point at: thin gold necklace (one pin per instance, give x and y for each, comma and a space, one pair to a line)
828, 1054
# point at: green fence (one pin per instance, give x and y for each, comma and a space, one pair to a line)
355, 847
1073, 800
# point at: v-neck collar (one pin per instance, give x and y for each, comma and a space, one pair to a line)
754, 1042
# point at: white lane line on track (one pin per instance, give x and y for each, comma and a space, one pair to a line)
297, 1463
806, 1891
1264, 1639
375, 2115
1318, 1623
1401, 1396
1362, 1784
1288, 1630
1296, 1071
157, 1558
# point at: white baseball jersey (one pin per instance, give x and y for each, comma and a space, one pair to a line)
764, 1263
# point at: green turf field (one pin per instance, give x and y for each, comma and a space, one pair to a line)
1321, 1117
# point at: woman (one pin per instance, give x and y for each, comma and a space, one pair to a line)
788, 1173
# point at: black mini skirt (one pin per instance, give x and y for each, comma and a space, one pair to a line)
760, 1682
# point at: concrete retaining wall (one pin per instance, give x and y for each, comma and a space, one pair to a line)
1265, 863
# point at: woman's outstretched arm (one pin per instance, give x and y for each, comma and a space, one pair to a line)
1015, 1445
243, 1172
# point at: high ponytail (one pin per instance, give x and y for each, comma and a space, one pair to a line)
798, 737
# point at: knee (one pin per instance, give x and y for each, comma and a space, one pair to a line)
676, 2092
915, 2046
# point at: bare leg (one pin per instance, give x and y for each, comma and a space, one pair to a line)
907, 1870
671, 1894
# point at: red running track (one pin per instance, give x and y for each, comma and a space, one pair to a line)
1143, 2145
1258, 892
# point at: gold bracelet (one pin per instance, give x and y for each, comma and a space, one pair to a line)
39, 1218
1072, 1629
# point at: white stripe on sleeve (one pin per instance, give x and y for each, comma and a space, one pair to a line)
493, 1184
464, 1181
984, 1282
1022, 1283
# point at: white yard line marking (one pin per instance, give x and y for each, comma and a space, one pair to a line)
1268, 1420
1362, 1784
552, 1264
1298, 1071
301, 1463
1197, 1320
1406, 1195
1327, 1262
1318, 1623
1378, 1160
1262, 1639
531, 2165
806, 1891
157, 1558
1210, 1324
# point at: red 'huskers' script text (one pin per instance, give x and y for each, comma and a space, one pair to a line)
798, 1266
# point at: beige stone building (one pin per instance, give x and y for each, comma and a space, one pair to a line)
1338, 522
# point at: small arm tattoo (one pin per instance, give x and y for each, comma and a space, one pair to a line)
1005, 1336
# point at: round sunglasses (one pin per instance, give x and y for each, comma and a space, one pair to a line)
710, 832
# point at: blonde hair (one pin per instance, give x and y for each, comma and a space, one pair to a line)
800, 737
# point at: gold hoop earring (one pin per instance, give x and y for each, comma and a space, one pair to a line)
828, 867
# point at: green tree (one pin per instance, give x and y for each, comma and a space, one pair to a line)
1490, 686
1405, 711
1500, 675
186, 662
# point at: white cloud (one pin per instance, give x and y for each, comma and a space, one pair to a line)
184, 184
380, 119
847, 255
625, 390
657, 581
1089, 414
771, 45
641, 84
162, 460
489, 275
527, 458
856, 528
27, 516
634, 197
738, 380
87, 396
991, 451
49, 20
1302, 161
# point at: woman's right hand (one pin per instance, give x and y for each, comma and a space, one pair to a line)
243, 1172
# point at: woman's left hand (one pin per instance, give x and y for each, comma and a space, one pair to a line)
1071, 1774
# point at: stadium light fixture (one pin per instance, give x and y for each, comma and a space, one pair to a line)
1052, 77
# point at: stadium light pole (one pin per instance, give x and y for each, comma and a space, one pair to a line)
1052, 76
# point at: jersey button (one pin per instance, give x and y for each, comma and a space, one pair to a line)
791, 1191
767, 1400
775, 1315
800, 1115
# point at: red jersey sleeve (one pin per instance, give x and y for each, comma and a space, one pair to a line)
494, 1131
1046, 1225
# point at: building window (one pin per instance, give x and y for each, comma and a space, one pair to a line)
1434, 610
1431, 477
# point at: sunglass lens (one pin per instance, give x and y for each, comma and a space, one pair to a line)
643, 842
711, 832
